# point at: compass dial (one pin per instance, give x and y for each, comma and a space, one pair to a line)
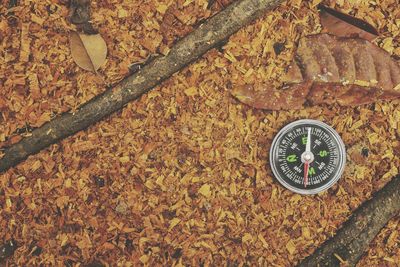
307, 156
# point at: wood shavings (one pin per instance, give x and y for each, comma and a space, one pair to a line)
176, 144
36, 19
25, 49
205, 190
34, 86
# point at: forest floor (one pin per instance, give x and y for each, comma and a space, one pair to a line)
181, 176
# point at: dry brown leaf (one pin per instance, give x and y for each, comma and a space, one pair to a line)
329, 69
344, 25
88, 51
79, 11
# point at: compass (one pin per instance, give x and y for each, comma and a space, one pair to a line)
307, 156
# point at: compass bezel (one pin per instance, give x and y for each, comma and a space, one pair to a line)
274, 153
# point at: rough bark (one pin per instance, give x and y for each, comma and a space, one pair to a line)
208, 35
352, 240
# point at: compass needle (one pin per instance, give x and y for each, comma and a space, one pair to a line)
306, 165
307, 156
308, 144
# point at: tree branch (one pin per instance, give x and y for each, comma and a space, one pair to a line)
352, 240
187, 50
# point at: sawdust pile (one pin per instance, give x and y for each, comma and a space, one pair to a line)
181, 176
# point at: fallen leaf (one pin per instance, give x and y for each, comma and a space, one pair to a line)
344, 25
327, 70
88, 51
80, 11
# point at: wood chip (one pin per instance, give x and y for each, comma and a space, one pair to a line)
193, 183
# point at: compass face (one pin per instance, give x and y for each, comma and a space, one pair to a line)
307, 156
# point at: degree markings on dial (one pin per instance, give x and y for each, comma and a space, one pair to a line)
290, 144
328, 170
287, 143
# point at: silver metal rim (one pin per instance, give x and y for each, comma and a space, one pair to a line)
342, 156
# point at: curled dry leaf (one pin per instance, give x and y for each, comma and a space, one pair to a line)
344, 25
79, 11
80, 16
329, 69
88, 51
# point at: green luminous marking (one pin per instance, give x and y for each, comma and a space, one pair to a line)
323, 153
291, 158
311, 171
304, 140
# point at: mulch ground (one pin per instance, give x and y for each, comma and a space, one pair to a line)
180, 177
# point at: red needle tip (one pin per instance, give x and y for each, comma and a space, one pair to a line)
306, 165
